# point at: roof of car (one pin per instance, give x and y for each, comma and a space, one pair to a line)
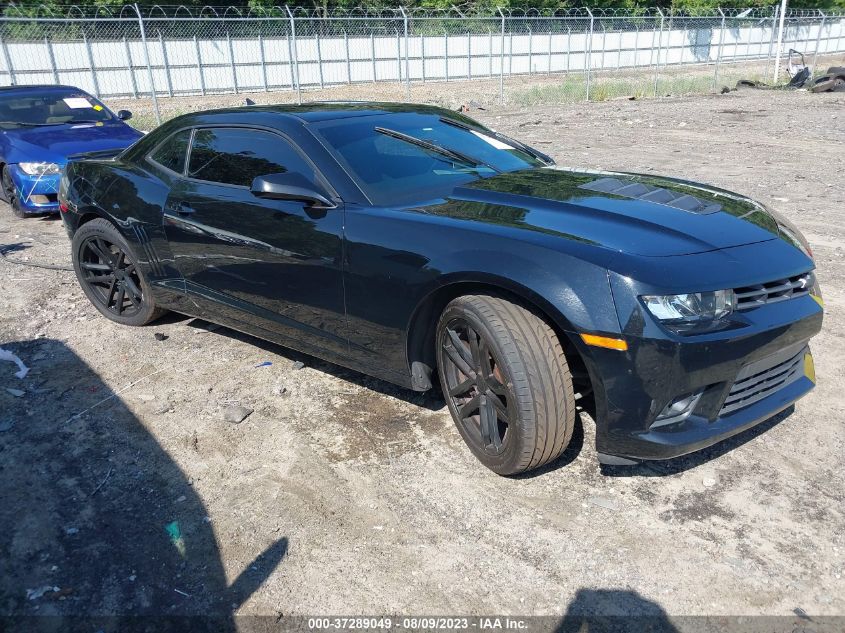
327, 110
38, 88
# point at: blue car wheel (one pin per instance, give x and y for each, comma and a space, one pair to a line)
10, 194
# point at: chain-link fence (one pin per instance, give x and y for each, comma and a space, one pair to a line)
567, 55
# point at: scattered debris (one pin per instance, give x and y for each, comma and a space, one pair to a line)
471, 105
6, 425
102, 483
266, 363
279, 390
71, 531
35, 594
708, 482
182, 593
18, 393
236, 414
801, 76
298, 365
205, 327
146, 397
23, 370
175, 532
161, 337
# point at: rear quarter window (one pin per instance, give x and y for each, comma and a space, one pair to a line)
171, 154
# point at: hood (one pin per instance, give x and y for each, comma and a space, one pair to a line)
631, 213
55, 143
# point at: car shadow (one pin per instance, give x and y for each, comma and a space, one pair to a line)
431, 400
614, 611
99, 521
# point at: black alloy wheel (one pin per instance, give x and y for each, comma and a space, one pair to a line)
110, 276
477, 388
506, 382
10, 194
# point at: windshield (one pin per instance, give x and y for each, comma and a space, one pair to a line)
405, 157
49, 108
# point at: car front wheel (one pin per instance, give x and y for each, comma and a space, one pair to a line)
110, 276
506, 382
10, 194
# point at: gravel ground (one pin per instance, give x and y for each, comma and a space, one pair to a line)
126, 490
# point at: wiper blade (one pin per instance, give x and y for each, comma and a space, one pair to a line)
27, 124
543, 158
434, 147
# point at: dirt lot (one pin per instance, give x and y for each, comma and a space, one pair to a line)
124, 490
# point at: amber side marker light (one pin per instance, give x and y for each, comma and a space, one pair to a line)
605, 341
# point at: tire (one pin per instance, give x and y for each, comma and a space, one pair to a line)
109, 276
10, 194
516, 375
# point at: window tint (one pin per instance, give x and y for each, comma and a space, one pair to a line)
237, 156
171, 153
393, 171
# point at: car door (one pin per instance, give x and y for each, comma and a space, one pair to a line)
274, 263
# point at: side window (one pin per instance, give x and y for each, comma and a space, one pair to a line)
236, 156
171, 153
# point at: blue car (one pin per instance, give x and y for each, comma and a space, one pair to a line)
40, 126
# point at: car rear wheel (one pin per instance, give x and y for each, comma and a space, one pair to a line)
10, 194
506, 382
110, 276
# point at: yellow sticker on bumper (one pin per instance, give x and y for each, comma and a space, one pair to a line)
809, 367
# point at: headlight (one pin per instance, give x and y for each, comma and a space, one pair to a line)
691, 308
40, 169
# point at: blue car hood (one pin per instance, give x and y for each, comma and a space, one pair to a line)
629, 213
55, 143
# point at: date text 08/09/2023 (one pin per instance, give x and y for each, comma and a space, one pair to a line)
418, 623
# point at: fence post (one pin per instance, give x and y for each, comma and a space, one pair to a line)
199, 65
568, 48
166, 65
147, 60
407, 67
263, 60
490, 51
530, 49
422, 56
588, 56
232, 62
91, 64
446, 55
502, 64
398, 56
780, 41
603, 45
319, 57
8, 61
130, 67
52, 57
295, 68
659, 48
373, 54
549, 68
819, 38
719, 53
469, 56
348, 62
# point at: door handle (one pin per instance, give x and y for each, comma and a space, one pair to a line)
183, 208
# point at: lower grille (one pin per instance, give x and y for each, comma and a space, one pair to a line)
763, 378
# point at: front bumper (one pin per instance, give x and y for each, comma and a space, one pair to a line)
741, 376
36, 194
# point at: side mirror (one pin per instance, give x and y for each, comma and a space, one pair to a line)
290, 186
124, 115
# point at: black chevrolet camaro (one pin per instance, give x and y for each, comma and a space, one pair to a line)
416, 245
